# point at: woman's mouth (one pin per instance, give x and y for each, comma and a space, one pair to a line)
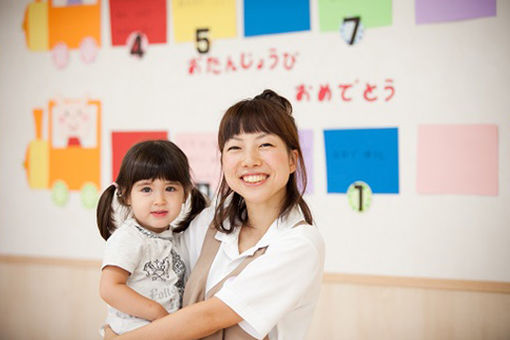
254, 179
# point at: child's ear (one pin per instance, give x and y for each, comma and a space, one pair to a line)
293, 158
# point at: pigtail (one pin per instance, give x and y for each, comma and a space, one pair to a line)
105, 220
197, 203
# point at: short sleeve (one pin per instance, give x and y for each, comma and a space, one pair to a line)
123, 249
191, 240
274, 284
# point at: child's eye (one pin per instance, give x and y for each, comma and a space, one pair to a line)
233, 147
171, 189
266, 145
145, 189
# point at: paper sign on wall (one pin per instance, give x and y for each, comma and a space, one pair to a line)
219, 16
368, 155
147, 17
123, 140
372, 13
306, 142
271, 17
457, 159
428, 11
203, 157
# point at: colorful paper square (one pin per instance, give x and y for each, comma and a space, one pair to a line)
429, 11
368, 155
306, 142
147, 17
457, 159
204, 158
123, 140
271, 17
219, 16
372, 13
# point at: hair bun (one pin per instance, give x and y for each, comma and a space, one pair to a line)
275, 98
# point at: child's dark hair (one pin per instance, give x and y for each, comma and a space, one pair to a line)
271, 113
156, 159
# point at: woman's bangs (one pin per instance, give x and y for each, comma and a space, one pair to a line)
250, 118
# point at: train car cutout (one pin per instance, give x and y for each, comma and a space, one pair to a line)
69, 159
60, 25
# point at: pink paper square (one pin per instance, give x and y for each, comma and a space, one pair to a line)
458, 159
201, 148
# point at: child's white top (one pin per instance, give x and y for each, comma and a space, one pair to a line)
157, 270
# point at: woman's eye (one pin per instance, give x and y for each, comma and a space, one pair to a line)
266, 145
233, 147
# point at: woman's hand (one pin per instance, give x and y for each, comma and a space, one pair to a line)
109, 334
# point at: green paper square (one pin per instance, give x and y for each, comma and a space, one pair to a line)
373, 13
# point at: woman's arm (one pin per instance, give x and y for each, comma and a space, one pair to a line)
192, 322
116, 293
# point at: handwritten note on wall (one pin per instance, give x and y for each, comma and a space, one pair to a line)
368, 155
203, 156
147, 17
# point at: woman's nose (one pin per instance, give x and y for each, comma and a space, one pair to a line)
251, 158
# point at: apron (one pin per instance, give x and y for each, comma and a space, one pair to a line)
195, 287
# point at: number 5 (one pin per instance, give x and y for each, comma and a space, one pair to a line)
202, 40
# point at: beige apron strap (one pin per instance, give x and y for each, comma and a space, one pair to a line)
195, 286
236, 271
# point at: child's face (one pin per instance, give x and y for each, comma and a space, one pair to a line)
156, 203
257, 166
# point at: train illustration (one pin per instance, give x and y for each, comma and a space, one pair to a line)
69, 158
60, 25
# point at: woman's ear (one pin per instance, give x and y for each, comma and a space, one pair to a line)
293, 159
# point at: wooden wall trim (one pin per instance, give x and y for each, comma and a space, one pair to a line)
329, 278
51, 261
419, 282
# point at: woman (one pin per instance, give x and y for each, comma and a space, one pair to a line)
257, 267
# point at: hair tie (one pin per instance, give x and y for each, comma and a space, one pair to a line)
115, 185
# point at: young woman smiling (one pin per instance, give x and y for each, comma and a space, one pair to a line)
256, 257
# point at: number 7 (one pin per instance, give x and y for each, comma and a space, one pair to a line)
356, 25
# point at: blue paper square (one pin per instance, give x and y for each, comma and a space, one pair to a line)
368, 155
275, 16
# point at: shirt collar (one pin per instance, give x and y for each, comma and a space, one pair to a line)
165, 235
281, 224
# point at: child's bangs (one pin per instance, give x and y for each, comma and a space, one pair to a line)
157, 166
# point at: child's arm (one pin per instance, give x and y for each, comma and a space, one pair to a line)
116, 293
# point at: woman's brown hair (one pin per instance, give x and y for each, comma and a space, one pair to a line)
156, 159
270, 113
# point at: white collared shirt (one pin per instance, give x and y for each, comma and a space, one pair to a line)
276, 293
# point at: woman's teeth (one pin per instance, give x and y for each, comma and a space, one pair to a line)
254, 178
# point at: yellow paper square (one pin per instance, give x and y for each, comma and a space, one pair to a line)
37, 26
219, 16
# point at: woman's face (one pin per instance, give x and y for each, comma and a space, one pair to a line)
257, 167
